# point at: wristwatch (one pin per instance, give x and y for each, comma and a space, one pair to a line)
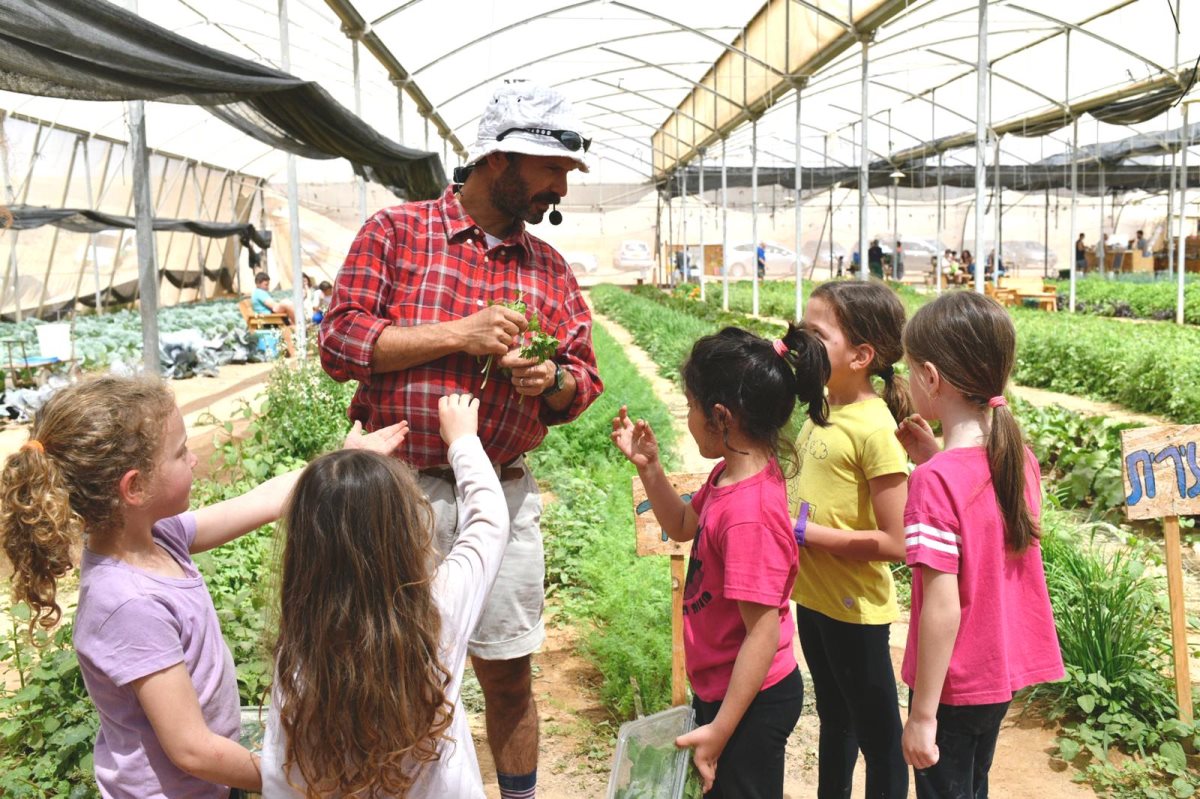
560, 380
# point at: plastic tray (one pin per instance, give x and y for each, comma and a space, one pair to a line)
647, 765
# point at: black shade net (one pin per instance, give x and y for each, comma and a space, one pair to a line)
94, 50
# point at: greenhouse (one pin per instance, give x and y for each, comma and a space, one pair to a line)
306, 213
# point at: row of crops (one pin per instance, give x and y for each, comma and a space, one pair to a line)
1106, 588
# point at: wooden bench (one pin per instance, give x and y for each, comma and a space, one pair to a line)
1031, 288
267, 321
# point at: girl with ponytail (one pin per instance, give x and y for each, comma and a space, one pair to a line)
107, 465
971, 538
849, 499
741, 391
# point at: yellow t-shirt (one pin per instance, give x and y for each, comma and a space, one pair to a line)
835, 464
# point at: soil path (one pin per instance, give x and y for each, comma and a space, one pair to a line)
1023, 765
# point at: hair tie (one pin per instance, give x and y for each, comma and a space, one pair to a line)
34, 444
781, 349
996, 402
887, 373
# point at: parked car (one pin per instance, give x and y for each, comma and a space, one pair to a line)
1027, 255
634, 255
580, 260
781, 262
820, 251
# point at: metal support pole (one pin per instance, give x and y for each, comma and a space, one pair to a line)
981, 100
1169, 233
799, 266
864, 177
399, 112
1074, 199
427, 133
293, 205
754, 213
362, 183
1183, 186
144, 211
724, 232
1101, 247
91, 199
701, 226
997, 194
937, 236
685, 270
1046, 239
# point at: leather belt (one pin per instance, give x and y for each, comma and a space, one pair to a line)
513, 470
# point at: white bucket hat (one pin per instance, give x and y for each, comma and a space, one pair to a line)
530, 119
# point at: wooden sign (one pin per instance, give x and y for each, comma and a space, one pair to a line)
651, 540
1161, 469
1162, 480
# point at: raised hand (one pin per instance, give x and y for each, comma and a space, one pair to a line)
492, 330
384, 440
636, 441
459, 416
916, 436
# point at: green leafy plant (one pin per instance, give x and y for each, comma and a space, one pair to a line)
47, 722
516, 304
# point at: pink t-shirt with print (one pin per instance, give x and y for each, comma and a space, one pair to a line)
744, 551
952, 523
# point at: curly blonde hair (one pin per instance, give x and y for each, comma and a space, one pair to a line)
53, 491
359, 684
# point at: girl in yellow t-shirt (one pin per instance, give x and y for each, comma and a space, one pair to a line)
849, 496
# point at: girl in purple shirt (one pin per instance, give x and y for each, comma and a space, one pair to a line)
107, 460
981, 624
741, 391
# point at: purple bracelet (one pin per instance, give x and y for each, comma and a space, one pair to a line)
801, 524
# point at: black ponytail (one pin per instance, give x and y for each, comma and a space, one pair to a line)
808, 359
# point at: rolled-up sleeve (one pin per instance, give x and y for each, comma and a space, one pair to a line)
357, 315
578, 357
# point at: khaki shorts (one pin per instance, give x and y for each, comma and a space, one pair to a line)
511, 625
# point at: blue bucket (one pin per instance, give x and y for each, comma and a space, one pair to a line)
268, 343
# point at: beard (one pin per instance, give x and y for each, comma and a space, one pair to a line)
509, 194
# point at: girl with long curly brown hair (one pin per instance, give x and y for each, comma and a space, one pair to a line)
107, 461
373, 630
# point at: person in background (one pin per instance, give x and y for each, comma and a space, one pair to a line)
1142, 244
875, 260
322, 296
262, 302
981, 625
898, 263
1080, 255
421, 307
760, 257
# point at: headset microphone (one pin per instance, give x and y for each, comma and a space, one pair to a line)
556, 216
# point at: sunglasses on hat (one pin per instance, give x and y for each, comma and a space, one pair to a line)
567, 138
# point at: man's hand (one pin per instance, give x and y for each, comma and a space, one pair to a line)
529, 377
491, 331
459, 415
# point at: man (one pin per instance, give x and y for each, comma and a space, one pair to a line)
261, 301
1080, 255
417, 314
1142, 243
760, 257
898, 266
875, 260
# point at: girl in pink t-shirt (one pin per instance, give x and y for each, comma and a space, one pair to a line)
741, 391
981, 626
107, 462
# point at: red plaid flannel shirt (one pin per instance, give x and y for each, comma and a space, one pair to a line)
426, 262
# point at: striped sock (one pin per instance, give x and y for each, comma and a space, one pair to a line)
517, 786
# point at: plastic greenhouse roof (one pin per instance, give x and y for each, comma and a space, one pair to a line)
629, 65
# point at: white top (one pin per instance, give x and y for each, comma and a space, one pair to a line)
462, 583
